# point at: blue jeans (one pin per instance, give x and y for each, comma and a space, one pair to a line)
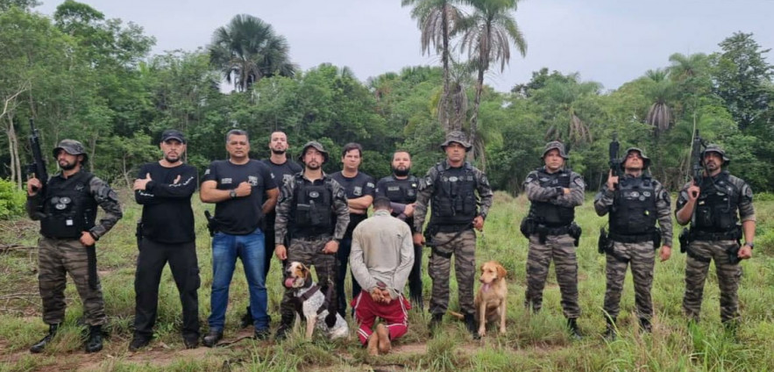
225, 250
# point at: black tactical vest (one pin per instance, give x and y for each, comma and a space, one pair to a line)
69, 207
401, 191
313, 208
550, 214
454, 200
634, 207
717, 205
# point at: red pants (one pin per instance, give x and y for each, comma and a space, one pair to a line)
394, 314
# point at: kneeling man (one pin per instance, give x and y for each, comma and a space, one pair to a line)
381, 259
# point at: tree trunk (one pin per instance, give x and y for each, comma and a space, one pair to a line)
13, 149
93, 145
445, 58
474, 117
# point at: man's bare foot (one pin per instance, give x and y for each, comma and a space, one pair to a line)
384, 339
373, 344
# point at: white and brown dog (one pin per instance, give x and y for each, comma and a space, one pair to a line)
313, 303
491, 296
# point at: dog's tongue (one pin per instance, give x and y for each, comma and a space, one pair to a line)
485, 287
289, 283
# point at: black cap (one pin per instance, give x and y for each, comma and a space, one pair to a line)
172, 134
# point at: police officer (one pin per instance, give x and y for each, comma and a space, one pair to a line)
67, 209
401, 188
634, 203
714, 208
554, 191
164, 190
313, 211
359, 188
237, 186
282, 169
450, 189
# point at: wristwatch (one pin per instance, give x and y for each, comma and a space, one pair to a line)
232, 194
751, 245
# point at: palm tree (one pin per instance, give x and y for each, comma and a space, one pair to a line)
563, 96
660, 90
437, 19
487, 34
247, 49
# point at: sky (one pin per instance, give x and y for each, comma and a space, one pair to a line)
607, 41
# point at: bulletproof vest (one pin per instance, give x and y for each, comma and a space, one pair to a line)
454, 200
401, 191
549, 214
717, 205
69, 207
634, 207
313, 210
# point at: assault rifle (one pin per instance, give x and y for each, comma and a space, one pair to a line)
615, 161
697, 170
38, 167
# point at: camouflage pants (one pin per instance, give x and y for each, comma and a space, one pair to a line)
463, 248
308, 251
642, 258
56, 258
696, 275
561, 249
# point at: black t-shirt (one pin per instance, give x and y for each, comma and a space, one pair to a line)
242, 215
280, 173
167, 216
403, 191
355, 187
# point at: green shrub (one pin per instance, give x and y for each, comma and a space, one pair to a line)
12, 200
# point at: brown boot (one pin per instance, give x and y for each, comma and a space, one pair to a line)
373, 344
384, 339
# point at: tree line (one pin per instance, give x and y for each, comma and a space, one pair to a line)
83, 75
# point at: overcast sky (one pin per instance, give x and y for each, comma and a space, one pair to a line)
608, 41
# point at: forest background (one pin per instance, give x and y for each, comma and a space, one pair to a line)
81, 74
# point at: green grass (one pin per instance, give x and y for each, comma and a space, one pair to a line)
532, 343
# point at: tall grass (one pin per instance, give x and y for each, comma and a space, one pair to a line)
534, 342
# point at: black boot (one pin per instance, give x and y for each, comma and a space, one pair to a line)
470, 324
247, 319
40, 345
610, 331
572, 326
212, 337
645, 325
94, 344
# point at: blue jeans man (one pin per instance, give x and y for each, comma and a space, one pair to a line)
251, 250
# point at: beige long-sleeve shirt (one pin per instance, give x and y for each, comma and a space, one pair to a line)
382, 251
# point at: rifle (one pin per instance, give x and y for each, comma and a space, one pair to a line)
38, 167
697, 170
615, 161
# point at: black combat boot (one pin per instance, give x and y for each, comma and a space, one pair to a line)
470, 324
572, 326
247, 319
645, 325
40, 345
94, 343
212, 337
610, 331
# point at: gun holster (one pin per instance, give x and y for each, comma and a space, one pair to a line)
575, 232
527, 226
685, 240
656, 239
604, 243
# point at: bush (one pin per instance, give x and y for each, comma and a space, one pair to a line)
12, 200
